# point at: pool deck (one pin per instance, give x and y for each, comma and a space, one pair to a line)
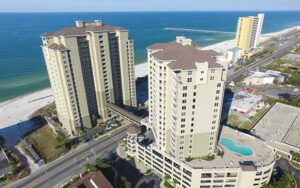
262, 152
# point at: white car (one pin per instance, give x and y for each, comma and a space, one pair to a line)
108, 128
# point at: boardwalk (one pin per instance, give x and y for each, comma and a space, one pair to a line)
199, 30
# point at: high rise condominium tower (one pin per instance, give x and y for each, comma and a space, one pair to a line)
248, 31
88, 66
182, 140
186, 87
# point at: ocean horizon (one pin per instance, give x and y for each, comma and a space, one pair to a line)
22, 67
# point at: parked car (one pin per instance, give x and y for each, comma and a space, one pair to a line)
114, 124
108, 128
40, 162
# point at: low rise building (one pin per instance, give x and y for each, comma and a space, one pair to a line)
245, 102
92, 180
233, 55
264, 77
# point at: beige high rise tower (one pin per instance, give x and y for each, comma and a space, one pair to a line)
88, 66
186, 87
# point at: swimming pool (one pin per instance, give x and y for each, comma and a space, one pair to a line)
236, 147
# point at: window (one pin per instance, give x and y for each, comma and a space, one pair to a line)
184, 87
212, 70
212, 78
190, 72
183, 101
194, 100
218, 85
218, 91
194, 94
182, 120
192, 124
183, 107
189, 80
184, 94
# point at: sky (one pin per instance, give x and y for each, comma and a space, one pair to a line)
144, 5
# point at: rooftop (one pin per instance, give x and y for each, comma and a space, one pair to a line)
83, 28
280, 125
183, 54
92, 180
262, 153
235, 49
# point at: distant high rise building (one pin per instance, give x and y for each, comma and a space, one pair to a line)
88, 66
186, 95
248, 31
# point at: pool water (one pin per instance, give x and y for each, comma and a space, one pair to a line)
242, 150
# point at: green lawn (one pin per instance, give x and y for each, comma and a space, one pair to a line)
46, 143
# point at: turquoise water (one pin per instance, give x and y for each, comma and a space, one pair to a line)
22, 67
232, 146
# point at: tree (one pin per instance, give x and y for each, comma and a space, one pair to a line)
100, 164
125, 183
90, 167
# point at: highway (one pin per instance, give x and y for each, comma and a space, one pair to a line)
57, 172
277, 53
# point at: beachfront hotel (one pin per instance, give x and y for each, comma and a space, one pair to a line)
248, 31
89, 65
181, 139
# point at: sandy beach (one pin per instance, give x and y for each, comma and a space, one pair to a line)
17, 110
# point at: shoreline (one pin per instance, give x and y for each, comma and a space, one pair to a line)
18, 109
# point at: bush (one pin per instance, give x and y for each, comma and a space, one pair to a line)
168, 185
189, 158
208, 157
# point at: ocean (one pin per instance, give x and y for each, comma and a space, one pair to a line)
22, 67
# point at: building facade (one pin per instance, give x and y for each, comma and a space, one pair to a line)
249, 31
88, 66
183, 139
178, 108
234, 55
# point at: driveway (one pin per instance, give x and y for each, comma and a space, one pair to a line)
284, 165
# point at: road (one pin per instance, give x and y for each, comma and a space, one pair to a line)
282, 50
59, 171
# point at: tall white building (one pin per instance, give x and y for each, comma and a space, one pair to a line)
184, 140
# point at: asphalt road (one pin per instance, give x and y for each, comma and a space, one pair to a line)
282, 50
59, 171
